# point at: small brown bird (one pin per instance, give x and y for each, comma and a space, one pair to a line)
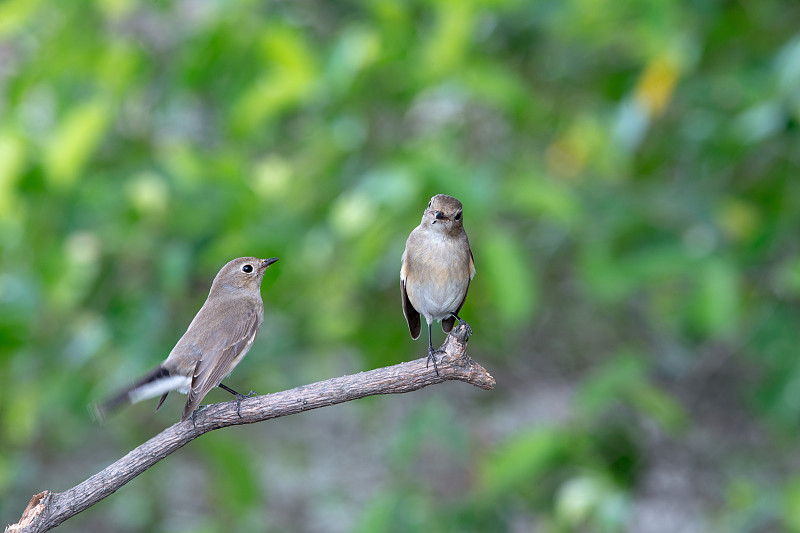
217, 340
436, 270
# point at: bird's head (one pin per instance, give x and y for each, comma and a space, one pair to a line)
243, 273
444, 213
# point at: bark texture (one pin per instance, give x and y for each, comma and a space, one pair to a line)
48, 509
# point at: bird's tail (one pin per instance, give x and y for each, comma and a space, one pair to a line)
158, 381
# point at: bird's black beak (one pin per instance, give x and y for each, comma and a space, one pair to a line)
267, 262
439, 215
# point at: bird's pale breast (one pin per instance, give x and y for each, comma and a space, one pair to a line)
437, 273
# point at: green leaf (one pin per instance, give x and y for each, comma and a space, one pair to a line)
236, 480
12, 161
510, 275
716, 306
75, 141
624, 380
521, 461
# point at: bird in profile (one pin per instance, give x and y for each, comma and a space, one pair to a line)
436, 269
216, 341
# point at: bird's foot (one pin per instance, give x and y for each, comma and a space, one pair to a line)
194, 413
462, 321
432, 357
240, 397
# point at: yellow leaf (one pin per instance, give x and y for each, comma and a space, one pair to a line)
656, 84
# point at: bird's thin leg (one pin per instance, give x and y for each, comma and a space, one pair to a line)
225, 387
239, 397
462, 321
431, 352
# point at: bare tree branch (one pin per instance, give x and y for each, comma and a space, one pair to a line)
48, 509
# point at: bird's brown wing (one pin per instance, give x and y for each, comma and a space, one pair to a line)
447, 323
412, 315
217, 362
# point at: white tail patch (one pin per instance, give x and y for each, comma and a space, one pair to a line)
159, 387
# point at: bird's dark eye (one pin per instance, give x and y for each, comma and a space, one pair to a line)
429, 204
247, 268
458, 215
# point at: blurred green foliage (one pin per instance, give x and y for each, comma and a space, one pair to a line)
629, 172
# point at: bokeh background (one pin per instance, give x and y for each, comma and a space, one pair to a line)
629, 171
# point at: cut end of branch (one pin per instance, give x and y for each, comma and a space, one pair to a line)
31, 513
465, 368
